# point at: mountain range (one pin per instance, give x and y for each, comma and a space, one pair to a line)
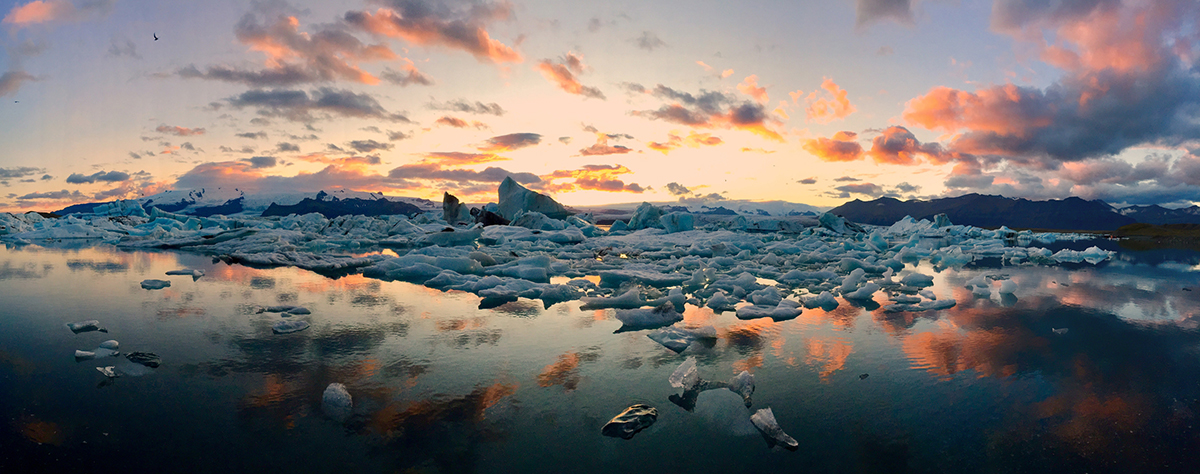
994, 211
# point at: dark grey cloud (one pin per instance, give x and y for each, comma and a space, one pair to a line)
287, 147
907, 188
11, 82
397, 136
252, 135
322, 103
367, 146
259, 162
47, 177
867, 189
99, 176
807, 181
20, 172
64, 194
405, 78
512, 141
187, 146
649, 41
870, 11
476, 107
123, 47
845, 179
435, 171
677, 189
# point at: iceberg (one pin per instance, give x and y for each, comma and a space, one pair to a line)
155, 284
685, 376
678, 338
195, 274
764, 420
336, 402
148, 359
648, 318
85, 326
743, 384
514, 198
630, 421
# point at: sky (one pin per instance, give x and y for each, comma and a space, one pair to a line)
816, 102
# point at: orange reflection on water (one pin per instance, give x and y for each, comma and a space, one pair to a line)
829, 353
748, 364
565, 371
42, 432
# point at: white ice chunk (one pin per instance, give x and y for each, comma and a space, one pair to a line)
289, 326
648, 318
336, 402
677, 222
917, 280
1008, 287
720, 302
768, 296
863, 293
1060, 331
764, 419
109, 371
786, 309
155, 284
628, 300
678, 338
685, 376
85, 326
110, 344
825, 301
84, 355
195, 274
743, 384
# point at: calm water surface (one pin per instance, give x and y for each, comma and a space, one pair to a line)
441, 386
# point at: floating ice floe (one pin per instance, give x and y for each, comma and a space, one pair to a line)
685, 376
148, 359
85, 326
786, 309
336, 402
648, 318
155, 284
289, 326
743, 384
195, 274
678, 338
630, 421
764, 419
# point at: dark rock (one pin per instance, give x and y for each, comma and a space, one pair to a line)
148, 359
630, 422
991, 211
452, 210
863, 376
232, 206
488, 218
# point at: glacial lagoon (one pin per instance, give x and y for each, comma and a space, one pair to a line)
439, 385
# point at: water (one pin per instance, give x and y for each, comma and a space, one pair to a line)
441, 386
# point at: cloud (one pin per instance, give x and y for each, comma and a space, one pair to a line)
871, 11
100, 176
46, 11
397, 136
565, 140
460, 159
259, 162
458, 123
19, 172
710, 109
649, 41
477, 107
510, 142
434, 171
593, 178
123, 47
53, 195
693, 139
842, 147
286, 147
295, 57
323, 103
677, 189
252, 135
601, 147
46, 177
750, 87
907, 188
563, 75
11, 81
343, 162
423, 24
242, 175
846, 190
898, 146
830, 106
812, 180
846, 179
1128, 81
179, 131
367, 146
408, 75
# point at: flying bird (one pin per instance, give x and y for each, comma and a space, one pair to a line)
155, 36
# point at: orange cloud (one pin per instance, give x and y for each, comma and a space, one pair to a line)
750, 87
359, 163
898, 146
842, 147
832, 106
563, 74
179, 131
601, 147
44, 11
1003, 109
694, 140
454, 30
510, 142
592, 177
459, 123
460, 159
